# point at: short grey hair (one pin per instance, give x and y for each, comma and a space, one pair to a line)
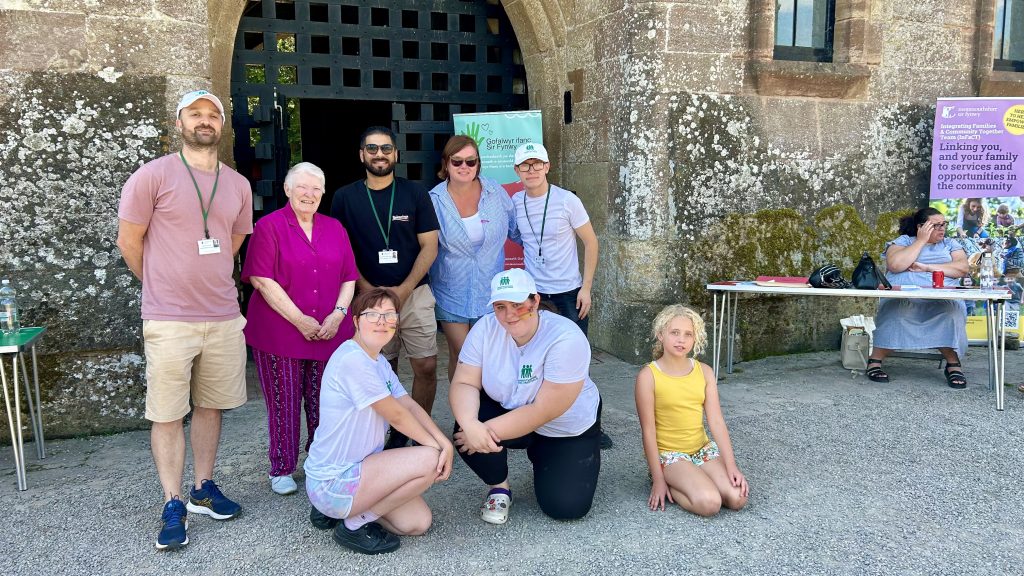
304, 168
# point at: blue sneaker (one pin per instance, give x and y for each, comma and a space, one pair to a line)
209, 500
174, 530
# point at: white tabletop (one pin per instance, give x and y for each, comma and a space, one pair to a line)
905, 292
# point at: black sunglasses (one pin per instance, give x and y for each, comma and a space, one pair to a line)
471, 162
385, 148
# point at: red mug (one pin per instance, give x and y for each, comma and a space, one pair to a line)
938, 279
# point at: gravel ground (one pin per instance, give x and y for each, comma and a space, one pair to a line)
847, 477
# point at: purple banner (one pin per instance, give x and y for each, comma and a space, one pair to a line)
977, 148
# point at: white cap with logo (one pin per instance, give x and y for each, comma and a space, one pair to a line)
190, 98
513, 285
531, 151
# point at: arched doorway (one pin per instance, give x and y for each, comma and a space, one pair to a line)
309, 76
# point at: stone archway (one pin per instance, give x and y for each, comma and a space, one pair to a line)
539, 28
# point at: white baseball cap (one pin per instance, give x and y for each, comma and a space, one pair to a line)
513, 285
531, 151
188, 99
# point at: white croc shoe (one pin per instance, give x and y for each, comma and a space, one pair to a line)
283, 485
495, 508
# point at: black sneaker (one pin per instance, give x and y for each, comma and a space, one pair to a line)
370, 538
321, 521
210, 501
606, 441
396, 440
174, 526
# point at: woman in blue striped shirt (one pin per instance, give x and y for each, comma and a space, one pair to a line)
476, 216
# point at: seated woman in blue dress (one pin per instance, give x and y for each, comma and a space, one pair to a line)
912, 324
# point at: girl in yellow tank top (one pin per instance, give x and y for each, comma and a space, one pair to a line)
674, 395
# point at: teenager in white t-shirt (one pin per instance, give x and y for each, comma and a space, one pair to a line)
550, 219
523, 382
348, 475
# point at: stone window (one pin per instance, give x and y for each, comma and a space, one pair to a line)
1000, 44
1008, 39
809, 56
804, 29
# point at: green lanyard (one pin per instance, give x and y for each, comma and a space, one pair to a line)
543, 221
386, 235
205, 208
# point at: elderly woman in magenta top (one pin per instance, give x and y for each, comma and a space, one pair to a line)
304, 272
476, 217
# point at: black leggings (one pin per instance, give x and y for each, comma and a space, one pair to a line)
565, 470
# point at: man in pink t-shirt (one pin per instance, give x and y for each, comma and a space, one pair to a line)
182, 219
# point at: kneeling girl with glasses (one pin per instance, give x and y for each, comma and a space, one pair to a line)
674, 393
349, 477
523, 382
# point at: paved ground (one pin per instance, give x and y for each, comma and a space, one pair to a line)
847, 476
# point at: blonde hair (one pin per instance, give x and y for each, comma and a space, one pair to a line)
670, 313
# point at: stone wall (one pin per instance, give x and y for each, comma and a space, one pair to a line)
698, 157
87, 94
703, 159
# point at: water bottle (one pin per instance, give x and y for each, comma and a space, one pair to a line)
987, 272
9, 323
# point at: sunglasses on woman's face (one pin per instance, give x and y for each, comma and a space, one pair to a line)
471, 162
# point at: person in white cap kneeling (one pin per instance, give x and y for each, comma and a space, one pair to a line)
523, 381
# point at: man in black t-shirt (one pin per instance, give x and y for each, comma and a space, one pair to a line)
393, 229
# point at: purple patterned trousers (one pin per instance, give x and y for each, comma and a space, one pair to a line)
286, 382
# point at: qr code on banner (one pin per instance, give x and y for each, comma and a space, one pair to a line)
1012, 321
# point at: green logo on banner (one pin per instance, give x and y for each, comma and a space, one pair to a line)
473, 131
526, 372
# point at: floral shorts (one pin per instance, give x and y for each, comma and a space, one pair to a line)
706, 454
334, 497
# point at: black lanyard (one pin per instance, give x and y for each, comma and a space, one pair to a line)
386, 235
543, 220
205, 208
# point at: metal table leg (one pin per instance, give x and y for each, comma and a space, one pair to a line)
41, 439
990, 328
732, 329
714, 334
14, 422
1001, 361
32, 405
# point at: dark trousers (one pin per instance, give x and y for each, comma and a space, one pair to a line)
565, 302
565, 470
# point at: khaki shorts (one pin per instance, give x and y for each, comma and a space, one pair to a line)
204, 361
417, 327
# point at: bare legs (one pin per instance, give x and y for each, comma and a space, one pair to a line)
703, 490
391, 484
455, 334
424, 380
168, 445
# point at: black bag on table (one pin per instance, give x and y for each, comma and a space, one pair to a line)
828, 276
867, 276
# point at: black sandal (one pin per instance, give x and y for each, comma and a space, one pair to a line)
875, 373
956, 378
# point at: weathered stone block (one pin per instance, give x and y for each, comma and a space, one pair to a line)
44, 40
154, 47
695, 72
89, 394
590, 182
809, 79
193, 11
706, 27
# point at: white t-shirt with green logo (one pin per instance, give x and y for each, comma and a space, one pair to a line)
350, 429
553, 262
512, 375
